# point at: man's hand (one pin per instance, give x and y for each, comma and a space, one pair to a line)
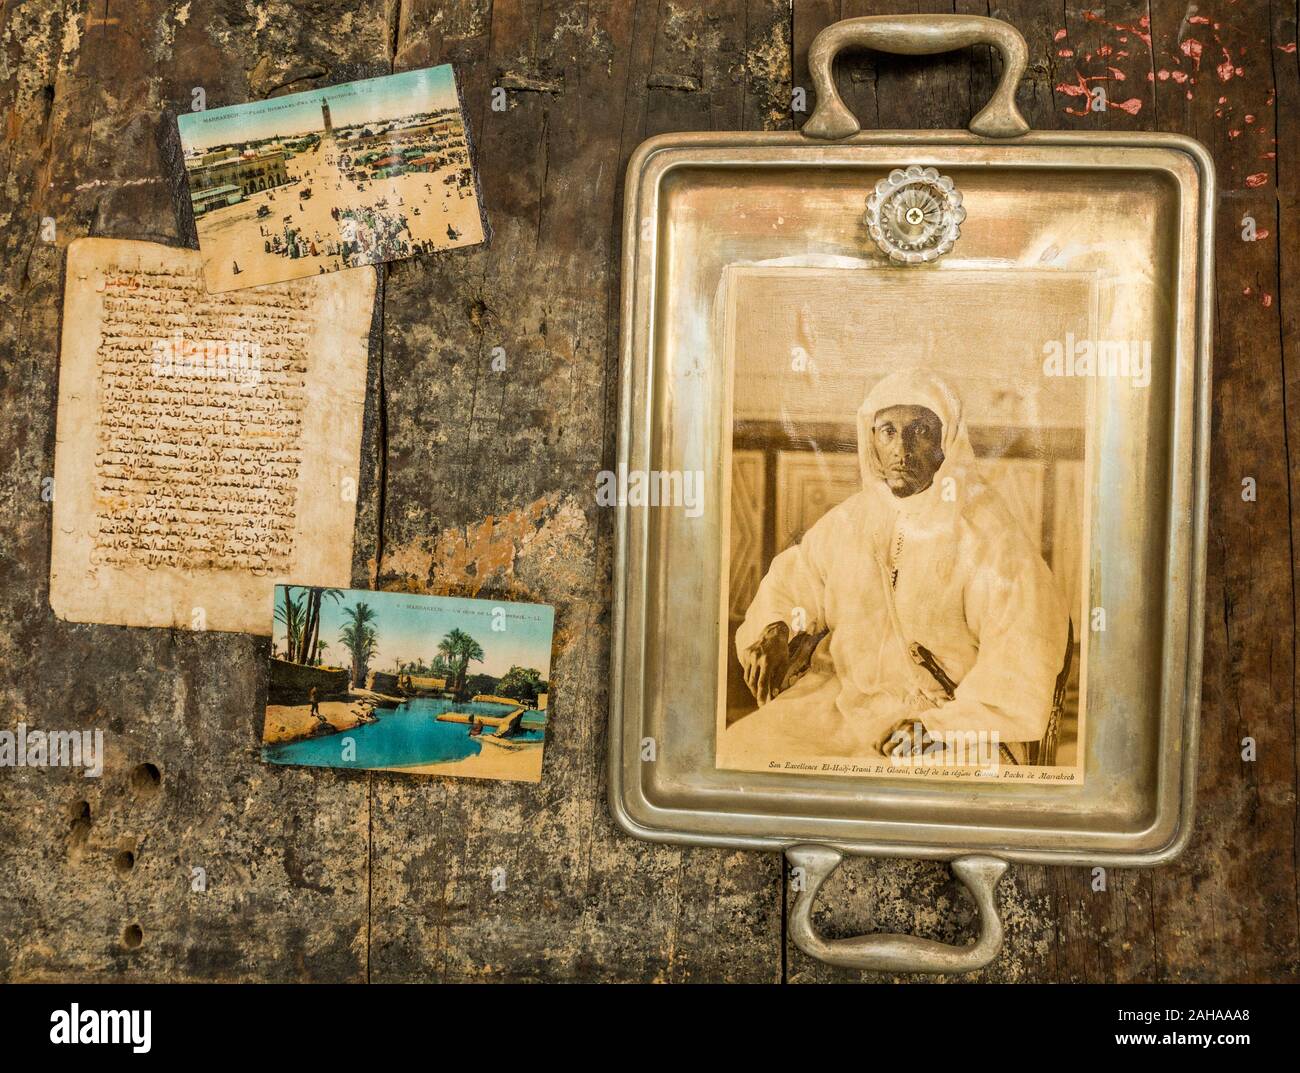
802, 648
766, 660
907, 737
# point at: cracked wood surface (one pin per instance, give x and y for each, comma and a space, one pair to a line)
478, 482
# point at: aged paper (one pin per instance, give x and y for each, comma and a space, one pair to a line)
208, 445
906, 527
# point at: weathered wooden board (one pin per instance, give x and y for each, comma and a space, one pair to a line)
481, 481
490, 490
1227, 910
284, 855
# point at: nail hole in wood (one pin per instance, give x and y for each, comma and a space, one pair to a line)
146, 778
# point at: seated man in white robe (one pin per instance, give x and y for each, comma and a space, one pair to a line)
920, 600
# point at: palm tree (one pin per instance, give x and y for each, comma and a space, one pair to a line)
292, 617
446, 659
310, 646
459, 648
358, 637
361, 644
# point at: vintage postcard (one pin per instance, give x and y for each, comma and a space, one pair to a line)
208, 445
429, 685
333, 178
906, 522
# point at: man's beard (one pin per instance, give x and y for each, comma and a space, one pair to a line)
908, 484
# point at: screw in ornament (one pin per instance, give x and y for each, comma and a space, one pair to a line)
914, 216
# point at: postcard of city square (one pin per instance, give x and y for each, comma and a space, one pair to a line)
354, 174
426, 685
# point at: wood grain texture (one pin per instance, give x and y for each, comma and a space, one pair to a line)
1227, 910
482, 482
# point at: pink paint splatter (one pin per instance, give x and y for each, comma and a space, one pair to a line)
1178, 76
1227, 68
1234, 134
1258, 179
1199, 20
1141, 30
1066, 52
1290, 47
1071, 89
1080, 89
1246, 292
1261, 234
1266, 301
1059, 35
1192, 49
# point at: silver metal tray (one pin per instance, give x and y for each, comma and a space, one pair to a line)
1132, 212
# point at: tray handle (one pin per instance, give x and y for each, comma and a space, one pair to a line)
918, 35
896, 953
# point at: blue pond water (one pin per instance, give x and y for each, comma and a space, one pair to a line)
406, 735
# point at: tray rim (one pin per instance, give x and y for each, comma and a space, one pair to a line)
627, 812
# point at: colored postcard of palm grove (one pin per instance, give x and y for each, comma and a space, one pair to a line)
390, 681
354, 174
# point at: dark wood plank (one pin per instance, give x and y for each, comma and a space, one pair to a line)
1208, 926
490, 491
1227, 910
284, 850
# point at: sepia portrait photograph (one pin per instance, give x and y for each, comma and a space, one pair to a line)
354, 174
905, 524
